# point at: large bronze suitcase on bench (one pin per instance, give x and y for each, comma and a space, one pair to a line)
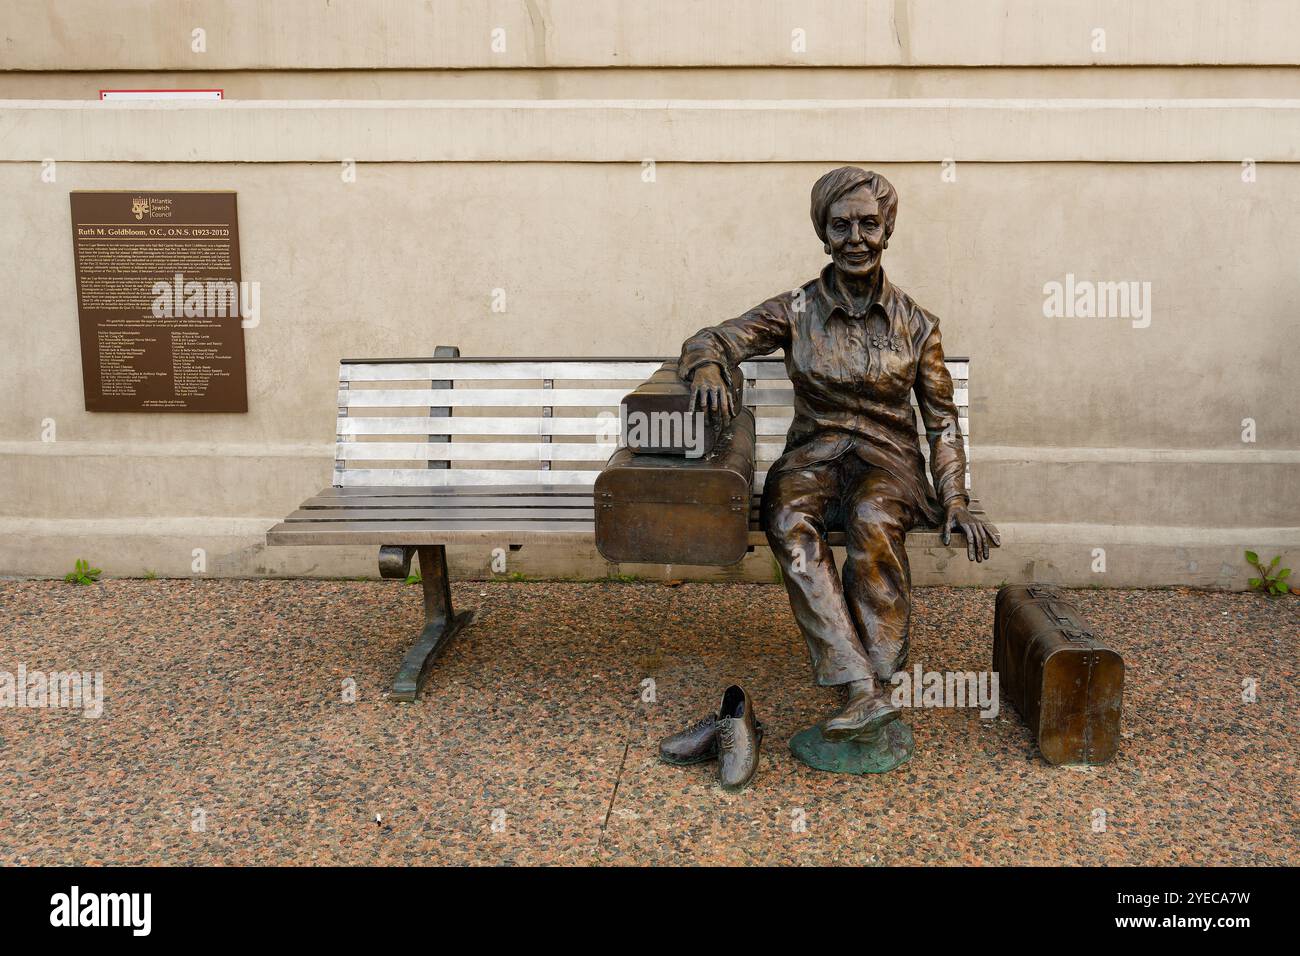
1066, 683
671, 509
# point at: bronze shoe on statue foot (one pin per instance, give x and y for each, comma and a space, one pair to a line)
739, 736
867, 710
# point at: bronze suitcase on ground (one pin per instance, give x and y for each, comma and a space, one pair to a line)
1067, 684
657, 419
670, 509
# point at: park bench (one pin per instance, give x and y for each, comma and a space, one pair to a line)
502, 453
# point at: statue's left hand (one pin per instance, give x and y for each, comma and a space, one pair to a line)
979, 536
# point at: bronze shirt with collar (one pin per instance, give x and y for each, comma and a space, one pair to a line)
852, 374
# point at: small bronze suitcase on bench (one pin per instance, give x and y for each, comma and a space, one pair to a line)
1067, 684
670, 509
657, 419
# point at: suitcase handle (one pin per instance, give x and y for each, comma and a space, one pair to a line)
1072, 629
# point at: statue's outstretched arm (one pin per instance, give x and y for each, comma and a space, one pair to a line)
711, 352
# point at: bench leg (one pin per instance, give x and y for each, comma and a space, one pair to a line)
440, 623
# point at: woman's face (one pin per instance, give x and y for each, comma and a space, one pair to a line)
855, 231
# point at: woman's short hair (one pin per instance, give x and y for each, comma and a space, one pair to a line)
840, 182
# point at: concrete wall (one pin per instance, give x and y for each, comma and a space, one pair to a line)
1087, 433
459, 34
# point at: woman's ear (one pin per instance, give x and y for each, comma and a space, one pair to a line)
826, 247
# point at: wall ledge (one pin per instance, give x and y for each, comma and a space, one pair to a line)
667, 131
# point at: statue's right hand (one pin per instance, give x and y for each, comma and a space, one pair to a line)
710, 392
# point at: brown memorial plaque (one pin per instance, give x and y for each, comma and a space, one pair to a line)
159, 301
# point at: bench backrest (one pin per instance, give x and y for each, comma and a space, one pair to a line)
495, 421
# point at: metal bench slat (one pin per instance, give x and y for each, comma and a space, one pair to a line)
340, 503
367, 513
475, 451
767, 426
605, 429
524, 369
509, 451
470, 532
468, 371
416, 478
427, 524
420, 478
453, 490
537, 397
770, 397
479, 497
477, 425
481, 397
488, 517
771, 368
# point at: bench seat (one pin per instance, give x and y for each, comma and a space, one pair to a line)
473, 514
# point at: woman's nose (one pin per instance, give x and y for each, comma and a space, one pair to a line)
855, 234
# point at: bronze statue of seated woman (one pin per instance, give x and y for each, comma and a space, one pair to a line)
856, 348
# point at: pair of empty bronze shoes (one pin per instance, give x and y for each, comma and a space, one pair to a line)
731, 736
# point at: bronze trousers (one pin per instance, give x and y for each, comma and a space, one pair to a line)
855, 626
